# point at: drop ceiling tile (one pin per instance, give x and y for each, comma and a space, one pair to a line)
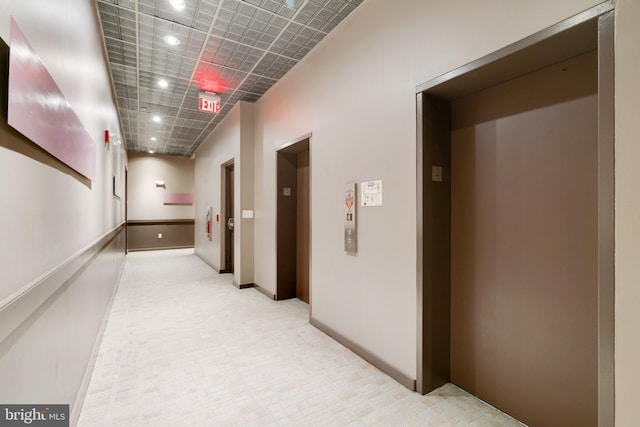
252, 44
279, 7
128, 4
256, 84
230, 54
213, 77
274, 66
247, 24
297, 41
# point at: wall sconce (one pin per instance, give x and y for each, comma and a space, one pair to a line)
160, 184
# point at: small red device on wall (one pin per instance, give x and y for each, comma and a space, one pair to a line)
106, 136
208, 223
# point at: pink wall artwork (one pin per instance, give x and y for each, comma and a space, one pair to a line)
178, 199
39, 110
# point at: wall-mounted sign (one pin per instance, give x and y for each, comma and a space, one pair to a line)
350, 236
371, 193
209, 102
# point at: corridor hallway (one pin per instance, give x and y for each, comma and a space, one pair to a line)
184, 347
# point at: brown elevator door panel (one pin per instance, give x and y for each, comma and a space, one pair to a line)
229, 215
524, 245
302, 224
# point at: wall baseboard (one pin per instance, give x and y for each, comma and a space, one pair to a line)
264, 291
366, 355
163, 248
243, 285
86, 378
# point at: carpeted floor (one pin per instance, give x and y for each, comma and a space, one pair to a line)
184, 347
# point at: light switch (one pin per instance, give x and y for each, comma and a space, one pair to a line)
159, 235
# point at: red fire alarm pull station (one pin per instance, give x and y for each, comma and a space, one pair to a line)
209, 102
208, 223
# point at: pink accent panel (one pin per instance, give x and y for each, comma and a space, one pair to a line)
178, 199
39, 110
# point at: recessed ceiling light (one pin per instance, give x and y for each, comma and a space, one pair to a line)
156, 119
177, 4
163, 83
151, 151
171, 40
153, 138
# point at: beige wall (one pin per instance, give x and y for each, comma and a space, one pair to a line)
146, 201
50, 214
232, 140
54, 213
627, 212
355, 93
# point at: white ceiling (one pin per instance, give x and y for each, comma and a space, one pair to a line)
236, 48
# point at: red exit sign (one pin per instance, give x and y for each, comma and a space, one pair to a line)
209, 103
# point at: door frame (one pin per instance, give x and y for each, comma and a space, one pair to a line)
308, 136
224, 173
432, 97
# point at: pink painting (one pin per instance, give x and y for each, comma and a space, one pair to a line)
39, 110
178, 199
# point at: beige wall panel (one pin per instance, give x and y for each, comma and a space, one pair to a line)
232, 140
146, 201
356, 93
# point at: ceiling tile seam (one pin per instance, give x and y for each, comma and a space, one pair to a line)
114, 94
196, 80
216, 36
282, 16
206, 40
274, 14
137, 72
254, 67
210, 36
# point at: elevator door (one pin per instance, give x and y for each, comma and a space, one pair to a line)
524, 244
293, 222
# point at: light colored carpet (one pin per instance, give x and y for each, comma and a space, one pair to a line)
184, 347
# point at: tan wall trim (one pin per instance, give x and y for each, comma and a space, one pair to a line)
18, 307
86, 378
102, 260
143, 235
409, 383
160, 221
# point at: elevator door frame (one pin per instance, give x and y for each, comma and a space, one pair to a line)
558, 42
284, 291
